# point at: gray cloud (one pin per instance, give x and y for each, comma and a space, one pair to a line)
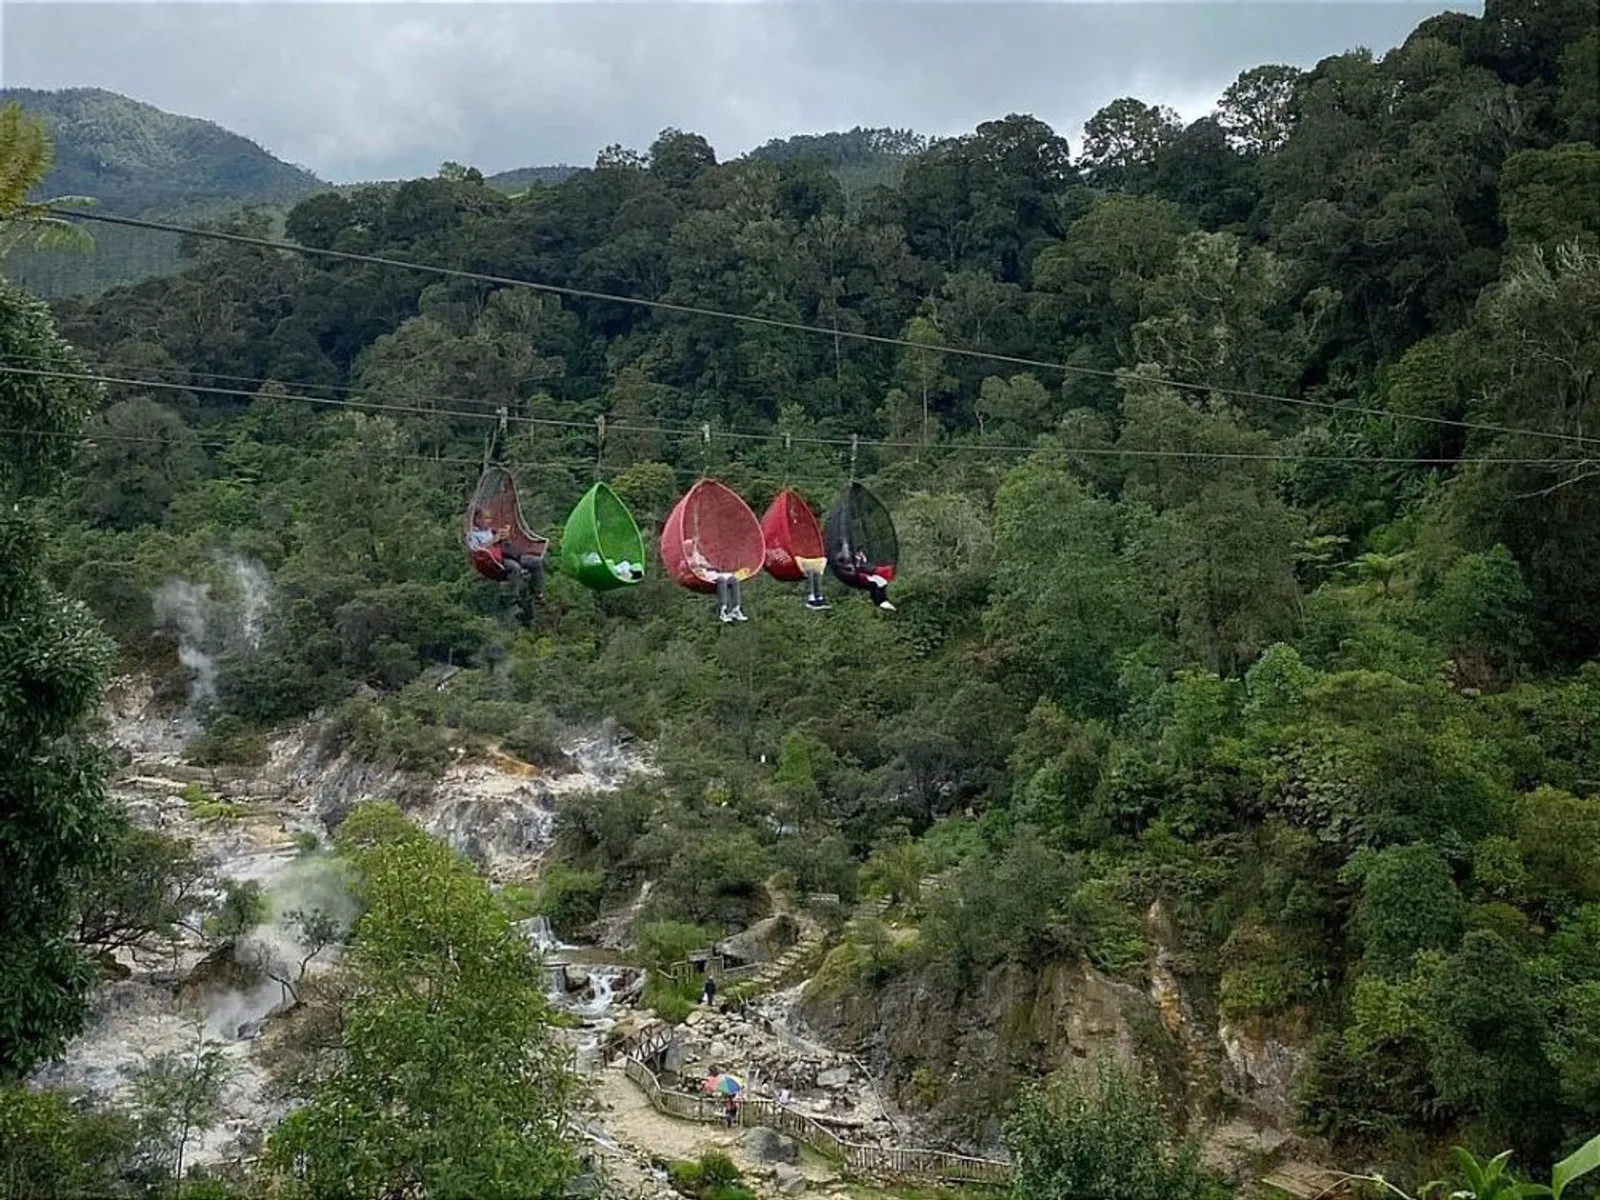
385, 90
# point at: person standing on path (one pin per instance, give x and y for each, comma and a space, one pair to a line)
709, 996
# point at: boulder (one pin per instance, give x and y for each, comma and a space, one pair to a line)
219, 973
788, 1180
761, 942
834, 1077
769, 1146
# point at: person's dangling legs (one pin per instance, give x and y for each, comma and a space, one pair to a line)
723, 613
814, 596
736, 595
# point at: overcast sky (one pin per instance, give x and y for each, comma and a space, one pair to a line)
390, 90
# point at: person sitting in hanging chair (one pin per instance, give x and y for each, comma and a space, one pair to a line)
855, 563
814, 597
485, 537
730, 604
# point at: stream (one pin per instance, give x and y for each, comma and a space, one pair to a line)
579, 981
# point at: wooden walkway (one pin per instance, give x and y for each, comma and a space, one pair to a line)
1307, 1181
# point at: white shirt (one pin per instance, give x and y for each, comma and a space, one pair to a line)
480, 539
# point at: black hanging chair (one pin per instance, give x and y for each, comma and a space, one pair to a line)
863, 549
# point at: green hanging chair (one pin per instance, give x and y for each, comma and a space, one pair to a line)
601, 547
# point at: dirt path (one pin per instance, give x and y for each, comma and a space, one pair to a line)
630, 1121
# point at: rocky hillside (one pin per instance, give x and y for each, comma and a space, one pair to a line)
950, 1051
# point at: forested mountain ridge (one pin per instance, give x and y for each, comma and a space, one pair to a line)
137, 160
523, 177
1271, 609
859, 158
134, 159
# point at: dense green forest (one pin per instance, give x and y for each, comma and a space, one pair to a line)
1270, 590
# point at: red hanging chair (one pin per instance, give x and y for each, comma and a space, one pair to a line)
711, 532
795, 546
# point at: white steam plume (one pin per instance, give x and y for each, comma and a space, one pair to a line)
185, 607
255, 595
205, 623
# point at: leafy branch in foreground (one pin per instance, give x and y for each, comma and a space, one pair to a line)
1491, 1180
25, 159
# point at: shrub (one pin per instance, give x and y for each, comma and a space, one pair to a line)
50, 1147
714, 1177
536, 738
1109, 1142
228, 742
663, 943
207, 808
671, 1001
568, 896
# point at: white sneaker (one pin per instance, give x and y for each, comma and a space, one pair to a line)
886, 606
724, 615
738, 615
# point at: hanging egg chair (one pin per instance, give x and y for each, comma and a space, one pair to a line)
601, 547
494, 506
711, 533
861, 541
795, 545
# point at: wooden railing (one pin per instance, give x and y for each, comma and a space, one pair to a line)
646, 1044
894, 1162
715, 966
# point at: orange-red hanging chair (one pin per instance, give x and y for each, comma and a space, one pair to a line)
498, 542
710, 534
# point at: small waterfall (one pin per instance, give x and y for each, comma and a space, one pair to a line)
602, 980
537, 930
